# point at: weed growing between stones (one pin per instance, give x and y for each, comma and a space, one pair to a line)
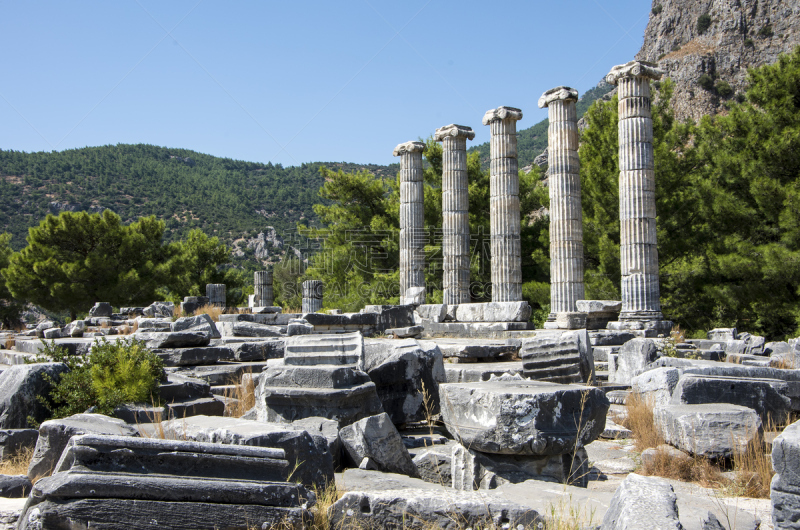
112, 374
242, 397
641, 422
17, 463
211, 310
566, 516
751, 466
325, 498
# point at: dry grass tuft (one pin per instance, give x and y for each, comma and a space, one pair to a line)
689, 469
783, 363
567, 516
242, 397
325, 498
17, 464
211, 310
641, 422
752, 466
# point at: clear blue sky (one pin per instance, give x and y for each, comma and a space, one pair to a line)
293, 82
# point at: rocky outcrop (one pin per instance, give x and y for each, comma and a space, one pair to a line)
706, 47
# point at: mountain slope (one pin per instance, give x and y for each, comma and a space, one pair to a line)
223, 197
707, 46
533, 140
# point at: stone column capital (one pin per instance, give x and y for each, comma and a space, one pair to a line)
408, 147
456, 131
559, 93
501, 113
633, 69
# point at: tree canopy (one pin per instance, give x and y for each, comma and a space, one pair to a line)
76, 259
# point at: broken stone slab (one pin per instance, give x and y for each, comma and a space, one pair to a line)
785, 486
307, 452
181, 388
258, 351
474, 372
474, 470
121, 454
202, 322
558, 357
223, 373
194, 356
177, 339
142, 502
20, 386
135, 483
76, 328
615, 432
161, 310
208, 406
424, 508
249, 329
328, 349
434, 463
319, 426
152, 324
523, 417
484, 349
101, 309
374, 443
493, 312
341, 393
405, 333
642, 502
714, 432
656, 386
299, 327
52, 333
598, 306
14, 486
140, 413
55, 434
608, 337
633, 358
722, 334
768, 397
432, 312
41, 326
12, 441
407, 374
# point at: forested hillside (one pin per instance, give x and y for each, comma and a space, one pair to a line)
223, 197
533, 140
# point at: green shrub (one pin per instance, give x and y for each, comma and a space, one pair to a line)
706, 81
703, 23
748, 42
765, 31
112, 374
724, 89
657, 9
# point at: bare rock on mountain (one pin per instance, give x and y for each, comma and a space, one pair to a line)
707, 47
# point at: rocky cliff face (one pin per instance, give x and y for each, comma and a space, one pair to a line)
707, 46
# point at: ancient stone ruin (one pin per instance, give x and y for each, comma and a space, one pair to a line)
452, 415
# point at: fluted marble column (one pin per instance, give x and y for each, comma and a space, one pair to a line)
504, 216
455, 212
412, 219
262, 283
312, 296
566, 217
637, 193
